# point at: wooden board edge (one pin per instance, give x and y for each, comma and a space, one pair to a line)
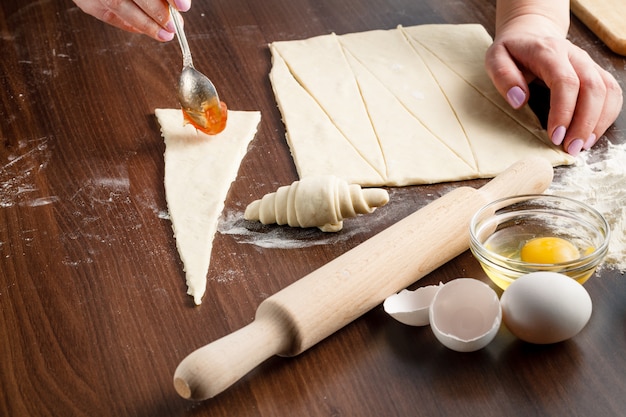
601, 30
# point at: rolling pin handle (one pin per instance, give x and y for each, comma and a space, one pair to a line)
211, 369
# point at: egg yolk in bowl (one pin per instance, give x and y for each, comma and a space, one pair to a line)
549, 250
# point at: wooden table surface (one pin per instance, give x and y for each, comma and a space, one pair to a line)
93, 312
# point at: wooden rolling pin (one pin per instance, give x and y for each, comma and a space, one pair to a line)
314, 307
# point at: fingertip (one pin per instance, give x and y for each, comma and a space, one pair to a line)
591, 140
516, 97
575, 147
170, 26
164, 35
182, 5
558, 135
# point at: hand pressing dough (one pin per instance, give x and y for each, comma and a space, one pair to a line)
199, 170
399, 107
319, 201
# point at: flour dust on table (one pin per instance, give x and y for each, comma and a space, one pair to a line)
597, 178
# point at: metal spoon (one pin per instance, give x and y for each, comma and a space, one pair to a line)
196, 93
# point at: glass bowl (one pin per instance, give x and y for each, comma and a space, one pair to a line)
500, 233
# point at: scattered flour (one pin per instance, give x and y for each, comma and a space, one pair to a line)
598, 179
18, 169
278, 237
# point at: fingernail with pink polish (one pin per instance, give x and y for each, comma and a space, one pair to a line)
516, 97
183, 5
590, 142
170, 27
558, 135
575, 147
164, 35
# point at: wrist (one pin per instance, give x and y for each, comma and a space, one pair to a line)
550, 18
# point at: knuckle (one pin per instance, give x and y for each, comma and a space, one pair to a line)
594, 82
109, 15
613, 88
501, 72
569, 81
587, 125
112, 4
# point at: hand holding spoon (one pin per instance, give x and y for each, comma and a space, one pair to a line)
197, 95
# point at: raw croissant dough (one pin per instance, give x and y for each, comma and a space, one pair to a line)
397, 107
320, 201
198, 172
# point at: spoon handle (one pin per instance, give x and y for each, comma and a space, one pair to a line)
182, 39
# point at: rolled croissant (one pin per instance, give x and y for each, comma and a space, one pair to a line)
318, 201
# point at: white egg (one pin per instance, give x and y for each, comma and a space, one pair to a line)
545, 307
411, 307
465, 314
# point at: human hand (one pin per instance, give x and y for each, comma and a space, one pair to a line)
149, 17
584, 98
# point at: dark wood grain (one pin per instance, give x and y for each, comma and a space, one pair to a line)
93, 313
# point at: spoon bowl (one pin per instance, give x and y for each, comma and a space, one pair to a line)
196, 93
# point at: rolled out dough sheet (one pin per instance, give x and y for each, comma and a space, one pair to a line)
399, 107
199, 170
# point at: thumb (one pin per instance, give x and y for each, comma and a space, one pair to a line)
510, 81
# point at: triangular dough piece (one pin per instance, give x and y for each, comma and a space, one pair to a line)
487, 126
405, 141
317, 145
469, 64
392, 60
324, 73
199, 170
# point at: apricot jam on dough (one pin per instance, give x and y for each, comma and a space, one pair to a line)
211, 120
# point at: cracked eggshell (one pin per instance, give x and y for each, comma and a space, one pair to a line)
545, 307
465, 314
411, 307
